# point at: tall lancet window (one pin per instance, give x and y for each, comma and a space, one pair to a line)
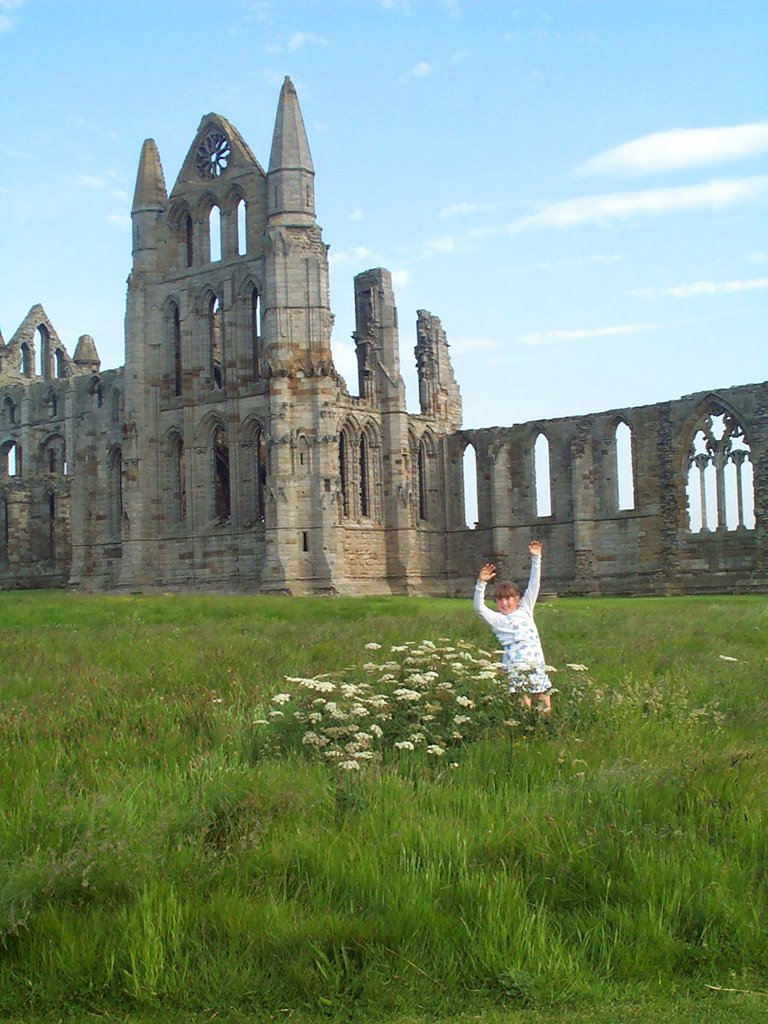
216, 342
222, 494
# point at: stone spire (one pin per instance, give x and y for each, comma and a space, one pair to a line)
150, 192
149, 202
291, 174
86, 355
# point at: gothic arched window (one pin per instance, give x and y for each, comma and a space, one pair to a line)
541, 476
216, 342
720, 482
221, 483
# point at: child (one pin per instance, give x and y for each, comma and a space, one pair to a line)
516, 632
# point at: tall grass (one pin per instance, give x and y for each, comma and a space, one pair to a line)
157, 853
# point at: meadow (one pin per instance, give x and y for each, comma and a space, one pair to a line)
176, 849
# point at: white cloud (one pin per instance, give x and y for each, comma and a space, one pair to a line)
583, 334
472, 343
90, 181
597, 258
466, 209
421, 70
444, 244
678, 150
121, 220
356, 214
401, 278
612, 206
300, 39
356, 253
688, 291
7, 7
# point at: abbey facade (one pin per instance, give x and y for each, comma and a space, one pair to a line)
228, 454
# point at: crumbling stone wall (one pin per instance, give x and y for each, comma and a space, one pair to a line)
592, 546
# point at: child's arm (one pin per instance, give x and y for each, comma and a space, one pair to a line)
528, 600
485, 575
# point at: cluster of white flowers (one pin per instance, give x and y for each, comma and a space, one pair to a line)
424, 698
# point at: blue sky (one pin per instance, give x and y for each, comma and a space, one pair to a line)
577, 189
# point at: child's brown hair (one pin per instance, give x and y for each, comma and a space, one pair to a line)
505, 590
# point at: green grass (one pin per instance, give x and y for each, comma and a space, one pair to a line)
161, 862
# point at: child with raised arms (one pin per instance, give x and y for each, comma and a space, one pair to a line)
516, 631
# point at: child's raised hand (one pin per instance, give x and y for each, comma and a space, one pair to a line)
534, 548
487, 573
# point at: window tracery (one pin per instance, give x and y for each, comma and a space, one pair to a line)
720, 483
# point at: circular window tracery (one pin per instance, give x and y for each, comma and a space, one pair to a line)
213, 155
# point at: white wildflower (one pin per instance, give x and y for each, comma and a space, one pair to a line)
319, 685
435, 750
349, 766
404, 694
461, 719
370, 667
363, 755
398, 650
417, 737
725, 657
376, 731
373, 646
358, 711
260, 721
314, 717
464, 702
403, 745
275, 715
577, 668
281, 698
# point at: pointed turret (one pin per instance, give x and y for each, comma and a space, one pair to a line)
86, 356
150, 193
149, 201
291, 174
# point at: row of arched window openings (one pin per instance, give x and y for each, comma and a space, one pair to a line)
220, 480
213, 239
52, 458
719, 484
10, 412
215, 340
542, 476
42, 359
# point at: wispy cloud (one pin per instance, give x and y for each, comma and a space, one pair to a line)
443, 245
121, 220
467, 209
297, 42
612, 206
15, 154
680, 150
583, 334
401, 278
421, 70
587, 260
356, 214
300, 39
466, 344
7, 8
357, 253
90, 181
688, 291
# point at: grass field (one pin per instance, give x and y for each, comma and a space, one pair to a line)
175, 849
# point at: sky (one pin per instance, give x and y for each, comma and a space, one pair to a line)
578, 189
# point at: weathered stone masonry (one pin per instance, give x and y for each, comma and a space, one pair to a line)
227, 453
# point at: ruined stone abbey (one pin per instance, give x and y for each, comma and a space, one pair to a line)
227, 453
